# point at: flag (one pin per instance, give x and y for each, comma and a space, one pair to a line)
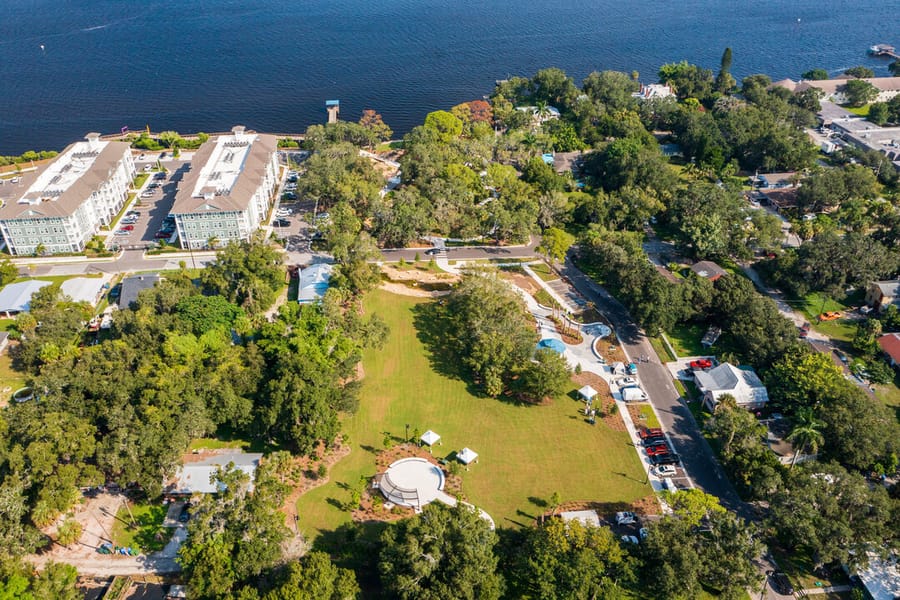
125, 129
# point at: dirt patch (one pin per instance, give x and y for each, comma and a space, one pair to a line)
610, 349
603, 401
371, 506
646, 506
412, 273
404, 290
521, 281
635, 411
384, 169
305, 474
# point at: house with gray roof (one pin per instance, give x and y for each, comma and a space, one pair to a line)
197, 476
61, 206
227, 192
134, 285
708, 270
881, 294
16, 297
743, 384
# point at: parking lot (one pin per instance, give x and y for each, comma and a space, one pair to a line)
154, 204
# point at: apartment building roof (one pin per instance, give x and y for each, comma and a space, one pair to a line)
58, 189
225, 173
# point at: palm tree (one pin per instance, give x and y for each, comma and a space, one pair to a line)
806, 433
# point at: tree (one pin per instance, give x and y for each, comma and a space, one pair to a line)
315, 577
859, 92
561, 560
488, 328
815, 75
612, 89
555, 243
247, 273
547, 376
373, 122
8, 272
806, 433
446, 552
169, 139
879, 113
207, 313
446, 126
689, 81
69, 532
724, 81
832, 513
860, 72
57, 581
693, 506
894, 68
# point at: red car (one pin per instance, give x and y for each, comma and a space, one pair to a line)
657, 450
650, 432
701, 363
128, 227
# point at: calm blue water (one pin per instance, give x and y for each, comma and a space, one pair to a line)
270, 64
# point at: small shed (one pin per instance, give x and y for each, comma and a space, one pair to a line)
711, 336
617, 368
430, 438
16, 297
587, 392
467, 456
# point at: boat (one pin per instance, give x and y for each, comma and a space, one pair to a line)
880, 49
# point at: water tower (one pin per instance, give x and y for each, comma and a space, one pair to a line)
334, 110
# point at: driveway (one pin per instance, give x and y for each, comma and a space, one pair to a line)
684, 433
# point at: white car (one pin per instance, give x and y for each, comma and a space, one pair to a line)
625, 518
666, 470
626, 381
629, 539
283, 212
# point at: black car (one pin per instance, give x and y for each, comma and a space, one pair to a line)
653, 441
281, 223
432, 251
780, 583
664, 459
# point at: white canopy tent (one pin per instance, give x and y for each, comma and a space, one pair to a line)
587, 392
430, 438
467, 456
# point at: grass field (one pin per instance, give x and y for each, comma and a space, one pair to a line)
812, 305
9, 378
526, 452
149, 535
544, 271
685, 339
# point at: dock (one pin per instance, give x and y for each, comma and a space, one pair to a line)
884, 50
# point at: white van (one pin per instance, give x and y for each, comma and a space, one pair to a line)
633, 394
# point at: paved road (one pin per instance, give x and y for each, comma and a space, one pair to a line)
695, 453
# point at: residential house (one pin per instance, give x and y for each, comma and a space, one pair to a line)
228, 191
654, 90
880, 294
197, 476
741, 383
314, 282
16, 297
134, 285
774, 181
833, 89
881, 577
60, 207
708, 270
86, 289
890, 345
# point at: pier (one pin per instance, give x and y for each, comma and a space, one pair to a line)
884, 50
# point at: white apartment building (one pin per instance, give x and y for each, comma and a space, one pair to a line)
59, 208
228, 190
832, 89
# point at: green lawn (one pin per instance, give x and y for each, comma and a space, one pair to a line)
890, 395
685, 339
149, 535
526, 452
217, 444
661, 350
648, 417
9, 378
862, 111
814, 304
544, 271
545, 299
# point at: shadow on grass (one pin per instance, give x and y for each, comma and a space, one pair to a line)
432, 327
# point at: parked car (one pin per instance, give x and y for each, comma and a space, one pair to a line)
666, 471
633, 394
281, 223
657, 450
781, 583
122, 232
701, 363
654, 441
148, 167
432, 251
664, 459
646, 432
626, 381
128, 228
629, 539
163, 235
631, 369
830, 315
289, 196
625, 518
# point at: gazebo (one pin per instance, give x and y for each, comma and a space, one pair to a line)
587, 392
467, 456
430, 438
